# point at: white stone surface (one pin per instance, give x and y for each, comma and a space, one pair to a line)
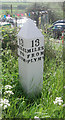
31, 52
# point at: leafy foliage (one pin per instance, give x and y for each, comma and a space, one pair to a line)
42, 106
9, 37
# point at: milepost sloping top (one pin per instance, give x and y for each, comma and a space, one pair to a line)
29, 30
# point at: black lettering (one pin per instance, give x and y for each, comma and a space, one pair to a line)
31, 60
38, 48
33, 55
25, 50
39, 58
28, 55
23, 59
35, 59
21, 53
28, 61
29, 50
37, 54
32, 43
37, 42
42, 53
32, 50
35, 49
20, 47
42, 47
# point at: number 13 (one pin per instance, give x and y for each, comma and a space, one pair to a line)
35, 43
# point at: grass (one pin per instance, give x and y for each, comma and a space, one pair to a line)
41, 106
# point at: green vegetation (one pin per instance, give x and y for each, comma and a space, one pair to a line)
14, 101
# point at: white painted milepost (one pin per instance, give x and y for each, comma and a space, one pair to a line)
30, 57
